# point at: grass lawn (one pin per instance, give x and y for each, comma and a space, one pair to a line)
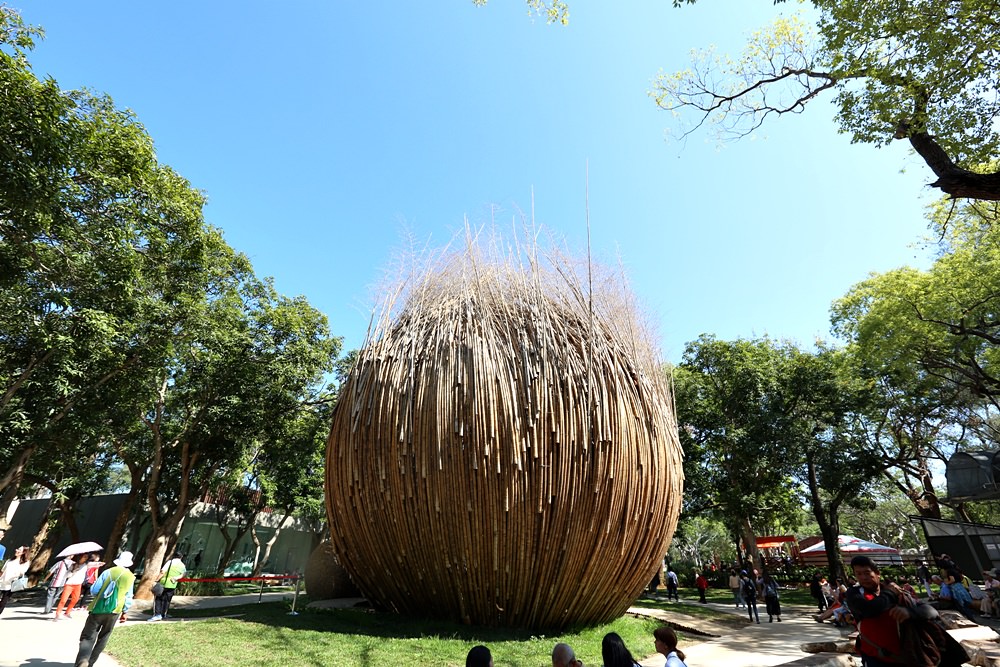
266, 635
797, 595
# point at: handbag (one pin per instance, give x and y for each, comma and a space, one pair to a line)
157, 589
19, 584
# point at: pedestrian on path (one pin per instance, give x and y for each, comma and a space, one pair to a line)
702, 583
13, 570
672, 585
771, 598
172, 570
56, 578
665, 641
750, 596
112, 593
924, 577
71, 591
734, 586
94, 565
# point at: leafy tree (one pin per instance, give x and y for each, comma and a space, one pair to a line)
835, 462
96, 245
554, 11
882, 514
928, 341
252, 361
701, 540
732, 416
924, 72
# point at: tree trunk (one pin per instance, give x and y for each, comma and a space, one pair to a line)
67, 517
10, 483
952, 179
750, 541
828, 520
117, 537
39, 554
136, 484
262, 557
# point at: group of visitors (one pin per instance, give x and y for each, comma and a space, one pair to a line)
748, 589
614, 653
76, 578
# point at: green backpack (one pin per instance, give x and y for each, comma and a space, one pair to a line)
106, 599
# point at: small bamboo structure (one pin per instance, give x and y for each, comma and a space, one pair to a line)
504, 452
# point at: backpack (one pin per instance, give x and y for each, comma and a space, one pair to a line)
106, 599
925, 643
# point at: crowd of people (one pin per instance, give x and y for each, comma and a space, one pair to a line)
883, 610
81, 581
614, 653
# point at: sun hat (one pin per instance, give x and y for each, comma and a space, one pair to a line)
124, 559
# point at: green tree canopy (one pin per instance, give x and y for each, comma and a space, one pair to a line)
921, 71
732, 415
929, 340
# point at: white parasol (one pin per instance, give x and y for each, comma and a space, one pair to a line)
79, 548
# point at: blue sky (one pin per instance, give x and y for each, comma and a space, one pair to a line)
327, 133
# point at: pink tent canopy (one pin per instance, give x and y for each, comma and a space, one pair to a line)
851, 546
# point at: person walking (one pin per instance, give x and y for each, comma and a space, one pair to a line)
13, 570
56, 578
71, 591
702, 583
112, 593
734, 586
672, 585
924, 577
94, 565
750, 596
771, 602
172, 570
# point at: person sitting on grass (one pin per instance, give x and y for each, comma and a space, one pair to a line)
665, 641
614, 652
479, 656
563, 656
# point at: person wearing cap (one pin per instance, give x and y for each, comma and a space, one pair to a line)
99, 626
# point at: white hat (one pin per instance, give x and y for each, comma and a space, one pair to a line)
124, 559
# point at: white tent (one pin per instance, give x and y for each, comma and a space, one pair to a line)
850, 547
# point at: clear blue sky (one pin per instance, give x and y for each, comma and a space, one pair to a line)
324, 133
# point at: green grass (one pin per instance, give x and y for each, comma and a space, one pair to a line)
266, 635
796, 595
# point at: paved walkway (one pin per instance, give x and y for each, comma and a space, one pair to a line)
755, 645
30, 639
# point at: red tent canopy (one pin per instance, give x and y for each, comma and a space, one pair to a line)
771, 541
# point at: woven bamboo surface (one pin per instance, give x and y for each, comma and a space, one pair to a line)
504, 452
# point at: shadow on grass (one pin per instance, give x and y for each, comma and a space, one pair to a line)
366, 622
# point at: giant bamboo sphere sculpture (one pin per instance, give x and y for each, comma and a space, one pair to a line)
504, 452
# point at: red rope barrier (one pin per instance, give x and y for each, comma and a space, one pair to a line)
273, 576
